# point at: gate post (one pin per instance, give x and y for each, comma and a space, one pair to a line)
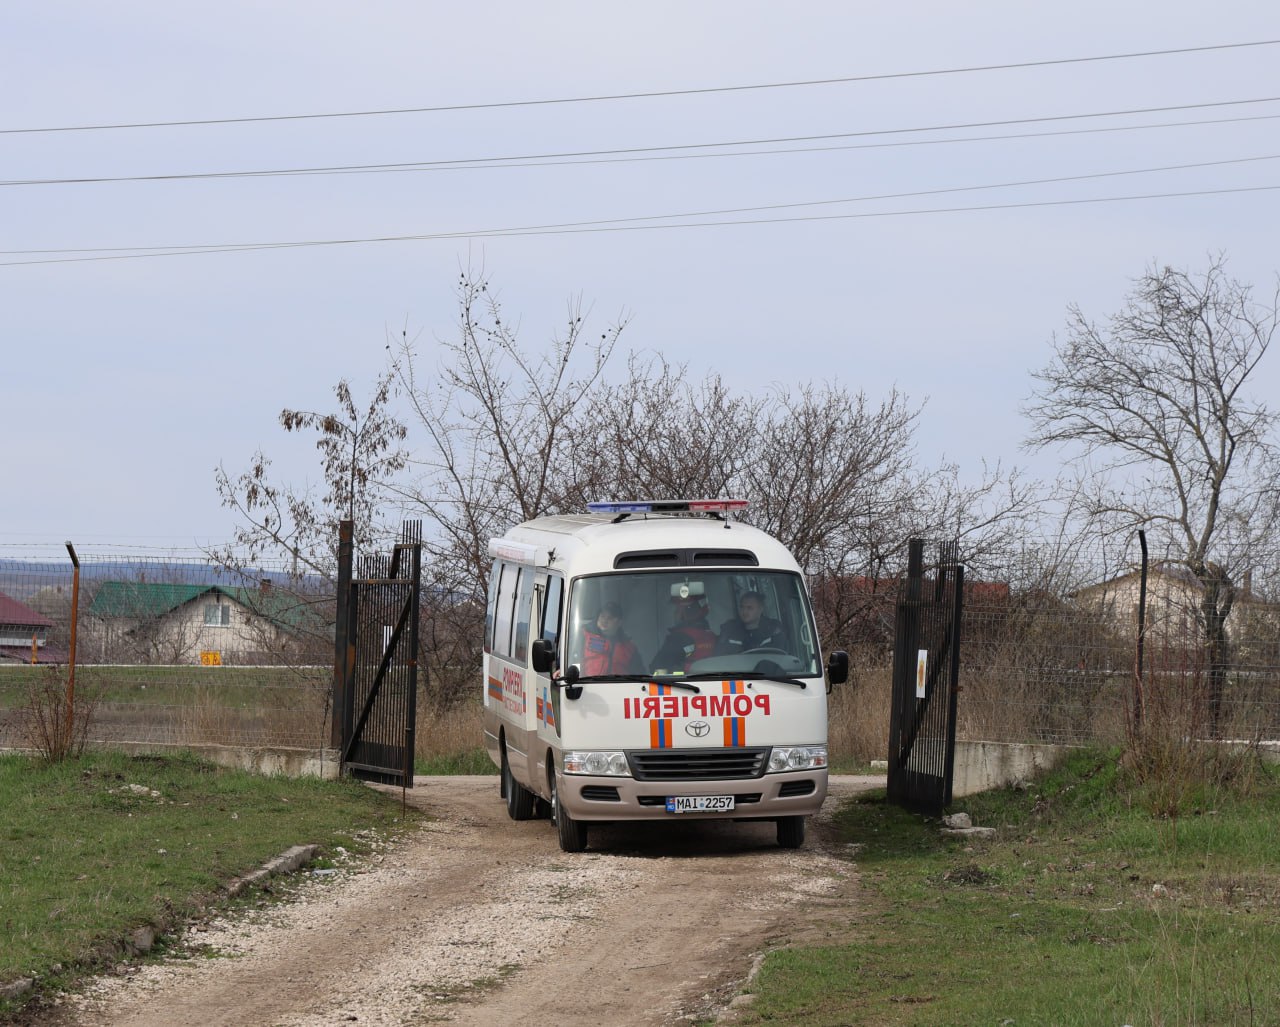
906, 635
953, 685
926, 682
413, 536
342, 652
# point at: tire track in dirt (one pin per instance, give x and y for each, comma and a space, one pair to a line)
475, 919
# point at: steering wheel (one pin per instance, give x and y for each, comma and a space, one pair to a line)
765, 649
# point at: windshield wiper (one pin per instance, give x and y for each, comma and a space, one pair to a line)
590, 678
675, 681
781, 678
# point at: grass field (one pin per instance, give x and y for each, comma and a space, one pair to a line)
174, 686
1085, 910
92, 849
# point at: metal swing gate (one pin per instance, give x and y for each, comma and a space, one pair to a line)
376, 666
926, 674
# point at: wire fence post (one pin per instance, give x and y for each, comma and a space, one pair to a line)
71, 654
1138, 698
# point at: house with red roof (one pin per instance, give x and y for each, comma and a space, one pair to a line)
24, 633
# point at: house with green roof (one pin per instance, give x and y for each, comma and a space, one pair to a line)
173, 623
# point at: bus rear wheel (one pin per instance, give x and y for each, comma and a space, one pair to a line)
790, 832
571, 833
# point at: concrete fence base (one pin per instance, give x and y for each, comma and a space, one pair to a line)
983, 765
282, 761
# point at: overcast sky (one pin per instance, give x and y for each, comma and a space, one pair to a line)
127, 381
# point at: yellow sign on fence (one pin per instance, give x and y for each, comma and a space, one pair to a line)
210, 658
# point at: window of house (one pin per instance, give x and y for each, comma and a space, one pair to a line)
217, 615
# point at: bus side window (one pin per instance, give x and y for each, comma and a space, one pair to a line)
523, 613
491, 604
504, 609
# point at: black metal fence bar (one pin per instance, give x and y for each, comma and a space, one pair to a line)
922, 724
380, 682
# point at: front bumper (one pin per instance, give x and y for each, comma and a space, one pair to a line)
589, 798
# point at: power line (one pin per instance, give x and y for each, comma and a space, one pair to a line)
1021, 183
653, 94
634, 153
615, 225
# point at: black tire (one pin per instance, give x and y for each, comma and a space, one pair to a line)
519, 798
790, 832
571, 833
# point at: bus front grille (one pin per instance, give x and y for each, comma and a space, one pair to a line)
697, 764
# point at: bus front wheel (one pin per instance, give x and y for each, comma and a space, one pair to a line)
790, 832
571, 833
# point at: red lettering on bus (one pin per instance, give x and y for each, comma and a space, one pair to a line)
670, 707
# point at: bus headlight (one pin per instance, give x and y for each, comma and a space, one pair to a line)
598, 764
797, 757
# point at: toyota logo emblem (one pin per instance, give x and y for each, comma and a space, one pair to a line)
698, 728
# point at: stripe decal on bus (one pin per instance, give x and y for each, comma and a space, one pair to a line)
735, 728
546, 710
659, 730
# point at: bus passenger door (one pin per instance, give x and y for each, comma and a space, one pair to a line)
549, 616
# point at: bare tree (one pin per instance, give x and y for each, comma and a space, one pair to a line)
657, 433
361, 451
502, 431
1165, 433
827, 471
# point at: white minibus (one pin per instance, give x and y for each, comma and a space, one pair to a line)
654, 660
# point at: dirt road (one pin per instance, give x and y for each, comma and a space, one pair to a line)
477, 920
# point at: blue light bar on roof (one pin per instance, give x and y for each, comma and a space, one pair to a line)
616, 508
721, 506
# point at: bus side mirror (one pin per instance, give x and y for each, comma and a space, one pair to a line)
838, 667
543, 654
572, 690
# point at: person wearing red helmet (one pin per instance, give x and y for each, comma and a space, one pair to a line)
690, 638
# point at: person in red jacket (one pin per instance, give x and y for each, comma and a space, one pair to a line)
606, 648
690, 639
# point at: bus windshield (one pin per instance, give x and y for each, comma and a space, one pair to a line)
717, 623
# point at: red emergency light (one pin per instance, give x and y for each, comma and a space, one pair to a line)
712, 506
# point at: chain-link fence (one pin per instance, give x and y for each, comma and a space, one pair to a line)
1050, 649
167, 650
1079, 647
187, 652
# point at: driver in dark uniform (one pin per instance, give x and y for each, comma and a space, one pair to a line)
751, 629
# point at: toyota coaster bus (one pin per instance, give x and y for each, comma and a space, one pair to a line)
654, 661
